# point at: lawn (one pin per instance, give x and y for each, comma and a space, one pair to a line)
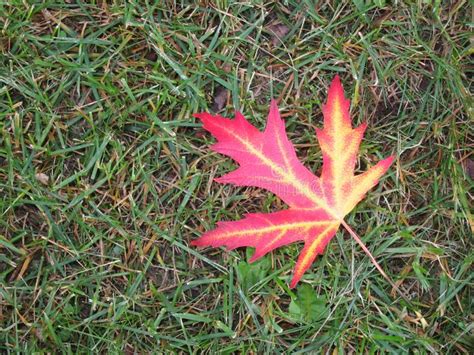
106, 177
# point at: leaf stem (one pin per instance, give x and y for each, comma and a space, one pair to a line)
376, 264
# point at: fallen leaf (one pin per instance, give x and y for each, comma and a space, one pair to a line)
317, 205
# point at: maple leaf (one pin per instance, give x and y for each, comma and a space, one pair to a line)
317, 205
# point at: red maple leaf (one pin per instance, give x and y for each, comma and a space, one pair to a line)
317, 205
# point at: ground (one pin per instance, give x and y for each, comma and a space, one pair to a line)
106, 178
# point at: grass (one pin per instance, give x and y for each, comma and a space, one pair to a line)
105, 177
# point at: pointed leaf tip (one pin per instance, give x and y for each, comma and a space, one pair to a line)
274, 110
336, 89
294, 281
387, 161
390, 159
336, 84
195, 243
